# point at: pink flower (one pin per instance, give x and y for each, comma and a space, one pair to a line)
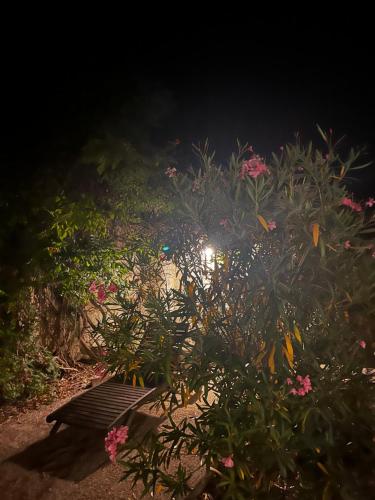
347, 244
362, 344
373, 255
370, 202
228, 462
114, 437
102, 295
93, 287
253, 167
305, 385
171, 172
289, 381
224, 222
347, 202
271, 225
250, 149
113, 288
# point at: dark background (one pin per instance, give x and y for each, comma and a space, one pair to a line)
258, 77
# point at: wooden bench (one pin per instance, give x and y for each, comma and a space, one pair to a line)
101, 407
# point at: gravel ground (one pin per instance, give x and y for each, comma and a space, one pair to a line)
72, 464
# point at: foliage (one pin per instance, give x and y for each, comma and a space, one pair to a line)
26, 367
285, 297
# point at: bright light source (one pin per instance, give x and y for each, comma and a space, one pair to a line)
208, 253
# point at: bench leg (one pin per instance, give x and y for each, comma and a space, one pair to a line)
55, 428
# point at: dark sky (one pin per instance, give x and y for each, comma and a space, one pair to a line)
259, 78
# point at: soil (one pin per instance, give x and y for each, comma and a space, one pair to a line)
73, 463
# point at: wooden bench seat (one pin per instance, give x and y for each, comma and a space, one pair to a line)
101, 407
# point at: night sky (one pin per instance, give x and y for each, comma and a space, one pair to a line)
259, 78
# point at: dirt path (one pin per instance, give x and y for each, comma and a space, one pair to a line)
72, 464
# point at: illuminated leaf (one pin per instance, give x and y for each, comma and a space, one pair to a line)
134, 380
288, 357
241, 473
259, 358
315, 234
263, 222
141, 381
297, 334
190, 289
289, 349
159, 488
322, 468
271, 359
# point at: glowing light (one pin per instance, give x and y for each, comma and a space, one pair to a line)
208, 253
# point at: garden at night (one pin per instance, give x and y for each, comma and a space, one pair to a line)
180, 317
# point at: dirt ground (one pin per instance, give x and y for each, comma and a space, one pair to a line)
71, 464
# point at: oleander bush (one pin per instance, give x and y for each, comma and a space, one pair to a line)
277, 287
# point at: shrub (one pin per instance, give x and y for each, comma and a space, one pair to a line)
26, 367
278, 289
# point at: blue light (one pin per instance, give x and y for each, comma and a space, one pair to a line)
166, 248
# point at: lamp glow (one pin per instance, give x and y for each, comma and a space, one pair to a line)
208, 253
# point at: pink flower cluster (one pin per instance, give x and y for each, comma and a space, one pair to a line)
253, 167
370, 202
362, 344
228, 462
171, 172
347, 202
271, 225
304, 385
116, 436
101, 291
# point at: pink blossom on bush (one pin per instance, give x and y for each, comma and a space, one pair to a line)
362, 344
305, 385
171, 172
93, 287
253, 168
115, 437
370, 202
271, 225
347, 244
228, 462
102, 295
347, 202
113, 288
